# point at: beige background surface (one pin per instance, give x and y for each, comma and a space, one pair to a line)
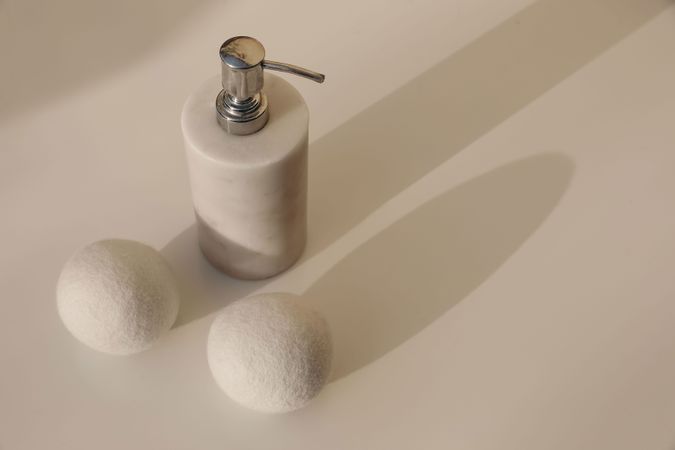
491, 224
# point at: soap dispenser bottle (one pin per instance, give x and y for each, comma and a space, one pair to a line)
245, 136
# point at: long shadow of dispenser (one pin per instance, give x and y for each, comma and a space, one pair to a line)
404, 278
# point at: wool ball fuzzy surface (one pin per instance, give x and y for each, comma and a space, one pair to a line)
270, 353
117, 296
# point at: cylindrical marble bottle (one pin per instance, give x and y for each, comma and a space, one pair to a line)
247, 160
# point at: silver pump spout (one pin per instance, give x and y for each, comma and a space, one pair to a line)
241, 105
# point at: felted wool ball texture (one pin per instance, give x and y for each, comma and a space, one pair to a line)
270, 353
117, 296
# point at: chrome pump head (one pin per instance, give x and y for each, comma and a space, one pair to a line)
241, 105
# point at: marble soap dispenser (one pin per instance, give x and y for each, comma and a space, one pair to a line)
245, 137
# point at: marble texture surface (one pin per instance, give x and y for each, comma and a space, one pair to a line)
249, 192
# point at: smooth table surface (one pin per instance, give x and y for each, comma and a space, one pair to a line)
492, 222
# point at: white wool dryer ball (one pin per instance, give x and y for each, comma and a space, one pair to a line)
117, 296
269, 353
